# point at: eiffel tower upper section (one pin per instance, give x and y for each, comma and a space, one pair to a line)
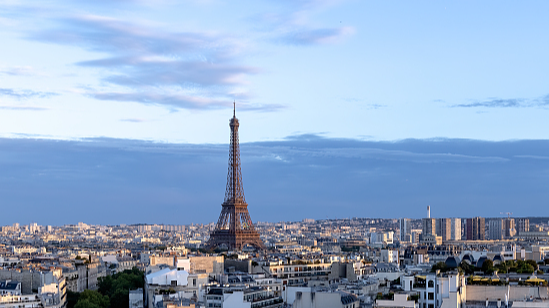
234, 192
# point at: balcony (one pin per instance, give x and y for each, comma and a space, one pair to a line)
268, 302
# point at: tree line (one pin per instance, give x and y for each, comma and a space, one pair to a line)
113, 291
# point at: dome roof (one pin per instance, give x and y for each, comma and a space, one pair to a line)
469, 258
498, 258
481, 261
452, 262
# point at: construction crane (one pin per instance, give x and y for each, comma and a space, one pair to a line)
508, 214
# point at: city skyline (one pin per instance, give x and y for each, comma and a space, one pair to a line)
391, 154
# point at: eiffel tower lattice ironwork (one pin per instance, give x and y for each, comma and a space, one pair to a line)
234, 228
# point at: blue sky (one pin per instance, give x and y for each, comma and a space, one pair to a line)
167, 72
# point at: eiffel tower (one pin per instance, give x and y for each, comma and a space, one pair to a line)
234, 228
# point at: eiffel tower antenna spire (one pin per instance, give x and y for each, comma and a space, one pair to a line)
234, 227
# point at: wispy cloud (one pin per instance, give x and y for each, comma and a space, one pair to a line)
25, 94
149, 65
18, 71
290, 153
292, 24
533, 156
132, 120
173, 100
30, 108
375, 106
150, 71
181, 101
507, 103
360, 102
316, 36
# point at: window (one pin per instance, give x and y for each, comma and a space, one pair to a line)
431, 306
431, 295
430, 284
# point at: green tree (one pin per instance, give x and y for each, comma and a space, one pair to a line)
533, 263
117, 286
502, 268
86, 304
488, 267
466, 268
439, 266
120, 298
92, 299
72, 298
526, 269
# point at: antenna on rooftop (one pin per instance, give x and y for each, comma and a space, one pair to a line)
508, 214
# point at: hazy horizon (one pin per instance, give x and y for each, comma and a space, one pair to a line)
113, 181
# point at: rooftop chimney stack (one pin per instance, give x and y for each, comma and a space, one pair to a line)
428, 211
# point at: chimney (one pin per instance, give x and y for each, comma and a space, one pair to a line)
428, 211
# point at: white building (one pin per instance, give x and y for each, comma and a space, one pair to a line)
436, 291
336, 299
49, 296
13, 301
252, 297
168, 276
456, 229
389, 256
10, 287
136, 298
185, 285
399, 301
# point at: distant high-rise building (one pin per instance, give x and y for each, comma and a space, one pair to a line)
509, 229
405, 230
428, 226
444, 228
495, 229
474, 229
501, 229
455, 227
415, 236
523, 225
384, 238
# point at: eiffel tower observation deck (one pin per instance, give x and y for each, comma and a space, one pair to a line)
234, 228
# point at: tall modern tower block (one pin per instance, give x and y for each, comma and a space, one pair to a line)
234, 228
